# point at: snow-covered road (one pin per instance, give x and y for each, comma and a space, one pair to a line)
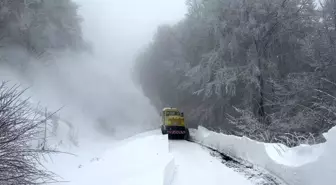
148, 159
194, 165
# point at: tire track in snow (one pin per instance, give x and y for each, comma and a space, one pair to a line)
194, 165
254, 174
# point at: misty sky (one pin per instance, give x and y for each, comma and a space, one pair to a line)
119, 28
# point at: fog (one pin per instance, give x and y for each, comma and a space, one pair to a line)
96, 89
119, 28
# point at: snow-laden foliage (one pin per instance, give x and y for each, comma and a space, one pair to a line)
38, 26
20, 127
254, 67
30, 31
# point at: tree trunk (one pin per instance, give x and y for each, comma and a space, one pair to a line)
261, 108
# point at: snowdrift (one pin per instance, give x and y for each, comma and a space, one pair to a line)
302, 165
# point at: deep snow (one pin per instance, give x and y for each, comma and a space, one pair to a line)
140, 160
145, 159
302, 165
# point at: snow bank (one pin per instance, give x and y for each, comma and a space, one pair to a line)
302, 165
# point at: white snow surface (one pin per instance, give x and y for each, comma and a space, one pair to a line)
139, 160
145, 159
302, 165
195, 165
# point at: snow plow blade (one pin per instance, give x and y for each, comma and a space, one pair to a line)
178, 133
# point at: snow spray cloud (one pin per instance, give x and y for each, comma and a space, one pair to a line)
96, 89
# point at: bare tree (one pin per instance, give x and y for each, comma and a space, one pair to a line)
20, 126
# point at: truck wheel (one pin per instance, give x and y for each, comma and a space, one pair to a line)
186, 135
163, 131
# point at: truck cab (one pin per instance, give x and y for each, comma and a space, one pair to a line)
172, 123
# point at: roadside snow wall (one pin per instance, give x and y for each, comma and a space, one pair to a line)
302, 165
168, 173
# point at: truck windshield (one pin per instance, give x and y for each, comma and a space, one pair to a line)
172, 113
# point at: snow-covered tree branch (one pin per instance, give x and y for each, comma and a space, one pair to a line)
20, 127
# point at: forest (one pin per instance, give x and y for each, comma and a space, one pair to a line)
257, 68
38, 28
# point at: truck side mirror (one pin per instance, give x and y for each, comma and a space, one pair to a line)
182, 114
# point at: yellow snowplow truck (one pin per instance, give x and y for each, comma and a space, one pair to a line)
173, 124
